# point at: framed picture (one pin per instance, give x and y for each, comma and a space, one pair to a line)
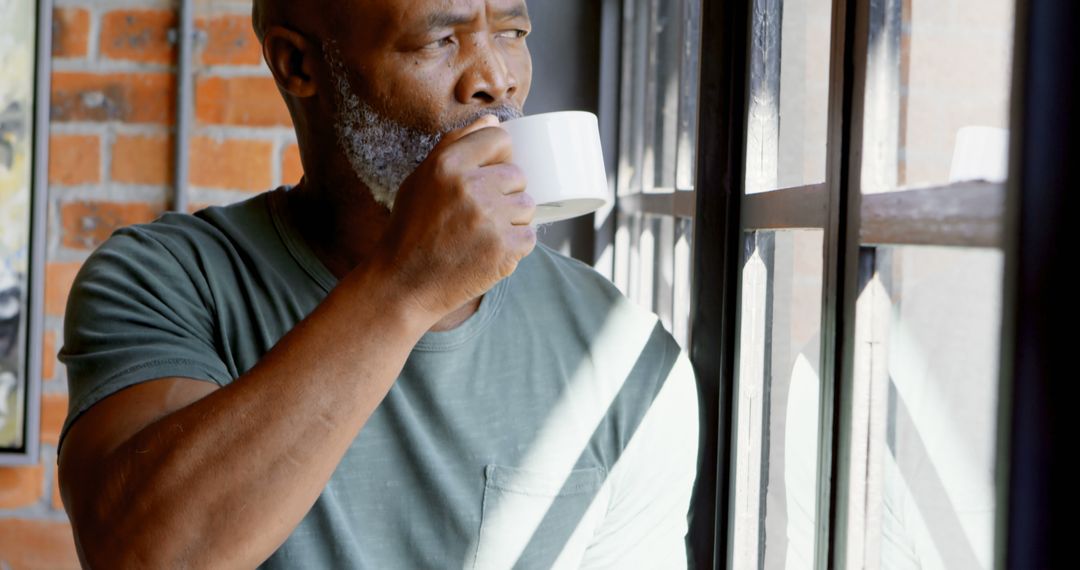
24, 105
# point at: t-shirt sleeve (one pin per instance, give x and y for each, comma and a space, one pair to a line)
138, 311
646, 523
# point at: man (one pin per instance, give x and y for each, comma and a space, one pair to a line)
376, 368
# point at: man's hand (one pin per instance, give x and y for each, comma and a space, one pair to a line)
461, 222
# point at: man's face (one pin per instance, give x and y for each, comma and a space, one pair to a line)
408, 71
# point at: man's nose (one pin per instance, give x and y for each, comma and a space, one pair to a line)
486, 78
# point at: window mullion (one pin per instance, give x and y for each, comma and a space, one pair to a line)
848, 129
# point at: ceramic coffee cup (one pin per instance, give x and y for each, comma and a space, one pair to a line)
563, 162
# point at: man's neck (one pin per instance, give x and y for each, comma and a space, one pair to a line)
344, 230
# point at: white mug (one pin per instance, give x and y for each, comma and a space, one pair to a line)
563, 163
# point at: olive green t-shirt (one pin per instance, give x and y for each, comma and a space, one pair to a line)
557, 426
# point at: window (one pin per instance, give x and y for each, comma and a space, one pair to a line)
830, 241
655, 174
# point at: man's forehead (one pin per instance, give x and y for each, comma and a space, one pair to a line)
433, 11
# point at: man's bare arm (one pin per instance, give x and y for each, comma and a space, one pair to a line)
170, 475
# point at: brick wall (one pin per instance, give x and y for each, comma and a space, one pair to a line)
111, 146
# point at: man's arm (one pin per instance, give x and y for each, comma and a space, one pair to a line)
171, 474
177, 473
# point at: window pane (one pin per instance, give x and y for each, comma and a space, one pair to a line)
688, 107
789, 94
652, 267
684, 244
659, 95
663, 269
938, 93
777, 408
662, 121
926, 385
635, 55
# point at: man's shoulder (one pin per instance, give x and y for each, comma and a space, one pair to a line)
551, 282
546, 271
577, 306
179, 251
183, 235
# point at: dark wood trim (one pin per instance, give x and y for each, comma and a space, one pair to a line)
851, 25
965, 214
720, 181
789, 208
1038, 370
678, 204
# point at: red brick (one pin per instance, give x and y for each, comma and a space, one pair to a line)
54, 408
230, 40
247, 101
127, 97
21, 486
87, 224
139, 159
231, 163
70, 32
28, 544
138, 35
74, 159
58, 279
48, 355
291, 168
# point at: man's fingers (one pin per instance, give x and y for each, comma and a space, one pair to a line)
523, 209
509, 178
523, 240
481, 123
485, 147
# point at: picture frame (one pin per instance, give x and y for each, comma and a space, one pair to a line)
25, 58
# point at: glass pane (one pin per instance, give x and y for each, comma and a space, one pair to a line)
938, 93
17, 61
623, 253
662, 122
659, 95
925, 421
688, 109
663, 270
789, 94
684, 244
776, 425
635, 54
652, 267
647, 236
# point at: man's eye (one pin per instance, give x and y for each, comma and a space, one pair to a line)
513, 34
440, 43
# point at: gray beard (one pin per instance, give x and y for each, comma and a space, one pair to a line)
382, 152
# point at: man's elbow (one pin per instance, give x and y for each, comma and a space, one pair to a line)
108, 548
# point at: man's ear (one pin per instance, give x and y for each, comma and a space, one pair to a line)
292, 59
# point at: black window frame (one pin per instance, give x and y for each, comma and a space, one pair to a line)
1024, 217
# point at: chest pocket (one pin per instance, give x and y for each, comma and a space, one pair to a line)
534, 519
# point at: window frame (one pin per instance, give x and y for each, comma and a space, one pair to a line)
965, 215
